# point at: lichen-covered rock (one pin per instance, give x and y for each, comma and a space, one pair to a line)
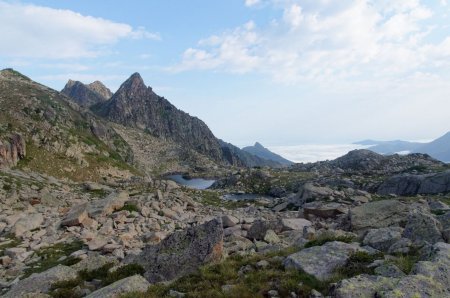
182, 252
389, 270
135, 283
422, 227
362, 286
41, 282
379, 214
409, 185
322, 261
383, 238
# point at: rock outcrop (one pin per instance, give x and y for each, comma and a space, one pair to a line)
410, 185
12, 150
86, 95
182, 252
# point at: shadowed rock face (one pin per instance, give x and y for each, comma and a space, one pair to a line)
86, 95
11, 151
136, 105
407, 185
182, 252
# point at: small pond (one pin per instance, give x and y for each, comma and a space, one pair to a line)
196, 183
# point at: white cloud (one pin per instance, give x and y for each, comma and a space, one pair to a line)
322, 41
40, 32
251, 2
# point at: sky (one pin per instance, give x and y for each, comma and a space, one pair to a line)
281, 72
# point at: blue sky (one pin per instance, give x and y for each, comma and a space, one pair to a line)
282, 72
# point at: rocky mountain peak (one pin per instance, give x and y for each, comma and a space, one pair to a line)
133, 86
258, 145
9, 73
101, 89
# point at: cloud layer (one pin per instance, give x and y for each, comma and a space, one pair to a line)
325, 41
30, 31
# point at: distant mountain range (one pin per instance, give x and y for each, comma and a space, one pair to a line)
261, 151
439, 148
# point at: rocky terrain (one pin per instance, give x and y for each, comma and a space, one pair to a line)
86, 211
87, 95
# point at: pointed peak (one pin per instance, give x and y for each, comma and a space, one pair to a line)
133, 84
258, 145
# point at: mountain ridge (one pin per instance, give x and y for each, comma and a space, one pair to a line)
260, 151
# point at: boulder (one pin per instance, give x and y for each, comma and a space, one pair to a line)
135, 283
422, 228
295, 224
12, 150
28, 223
409, 185
229, 221
259, 228
108, 205
41, 282
76, 215
182, 252
362, 286
389, 270
379, 214
383, 238
322, 261
328, 210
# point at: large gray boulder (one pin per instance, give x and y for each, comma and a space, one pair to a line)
383, 238
379, 214
409, 185
322, 261
428, 279
135, 283
422, 228
41, 282
182, 252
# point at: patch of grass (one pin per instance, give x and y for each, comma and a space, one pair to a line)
11, 241
209, 279
123, 272
405, 262
322, 239
65, 288
129, 207
439, 212
358, 264
49, 257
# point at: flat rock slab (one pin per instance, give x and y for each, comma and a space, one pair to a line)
322, 261
135, 283
379, 214
41, 282
182, 252
296, 224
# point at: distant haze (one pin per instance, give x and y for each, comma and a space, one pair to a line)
313, 153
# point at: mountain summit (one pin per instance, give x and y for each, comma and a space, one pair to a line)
262, 152
86, 95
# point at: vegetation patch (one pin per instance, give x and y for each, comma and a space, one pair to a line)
209, 280
52, 256
106, 276
358, 264
129, 207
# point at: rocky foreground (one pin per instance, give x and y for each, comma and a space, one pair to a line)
360, 226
